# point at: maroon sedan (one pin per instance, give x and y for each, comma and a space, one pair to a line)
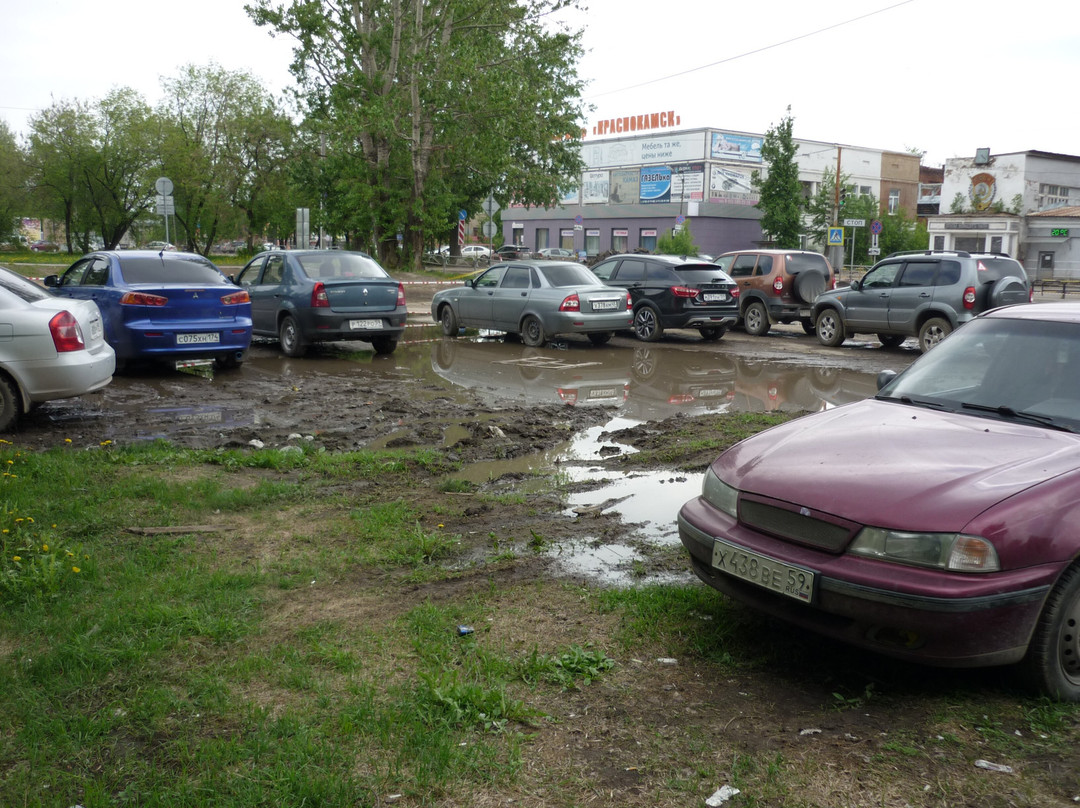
936, 522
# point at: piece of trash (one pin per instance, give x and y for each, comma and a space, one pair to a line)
721, 795
463, 630
255, 442
809, 731
667, 661
993, 767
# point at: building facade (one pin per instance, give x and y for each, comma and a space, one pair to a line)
637, 188
1024, 204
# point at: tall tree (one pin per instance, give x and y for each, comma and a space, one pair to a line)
432, 104
781, 198
13, 178
225, 147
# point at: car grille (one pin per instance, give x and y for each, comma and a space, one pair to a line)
800, 525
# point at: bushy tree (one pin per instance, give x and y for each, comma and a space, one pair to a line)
781, 199
680, 243
13, 189
429, 105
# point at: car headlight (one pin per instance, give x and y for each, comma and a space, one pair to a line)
719, 494
948, 551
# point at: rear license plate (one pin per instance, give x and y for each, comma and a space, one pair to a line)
364, 325
785, 579
95, 329
602, 392
714, 297
198, 339
605, 305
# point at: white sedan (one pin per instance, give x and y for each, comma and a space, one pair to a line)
49, 347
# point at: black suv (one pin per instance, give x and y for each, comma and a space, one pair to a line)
923, 294
672, 292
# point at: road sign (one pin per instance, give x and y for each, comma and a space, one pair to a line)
680, 219
462, 215
164, 186
875, 227
489, 229
874, 251
165, 205
491, 207
854, 222
836, 237
578, 219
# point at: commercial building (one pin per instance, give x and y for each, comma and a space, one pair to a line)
636, 188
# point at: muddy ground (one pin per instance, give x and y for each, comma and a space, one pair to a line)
802, 723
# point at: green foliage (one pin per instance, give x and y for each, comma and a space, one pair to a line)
958, 204
681, 243
567, 669
781, 199
34, 563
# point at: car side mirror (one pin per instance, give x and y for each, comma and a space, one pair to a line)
51, 280
885, 377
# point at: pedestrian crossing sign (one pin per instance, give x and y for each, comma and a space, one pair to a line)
836, 237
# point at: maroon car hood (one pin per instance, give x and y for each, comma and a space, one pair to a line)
893, 465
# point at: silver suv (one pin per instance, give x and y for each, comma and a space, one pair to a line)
925, 294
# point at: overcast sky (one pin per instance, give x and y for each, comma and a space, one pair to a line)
943, 76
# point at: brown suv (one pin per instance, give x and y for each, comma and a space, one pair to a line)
777, 286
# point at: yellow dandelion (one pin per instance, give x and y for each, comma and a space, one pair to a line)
440, 524
70, 554
17, 558
6, 530
11, 462
76, 569
106, 443
44, 548
5, 441
67, 440
29, 519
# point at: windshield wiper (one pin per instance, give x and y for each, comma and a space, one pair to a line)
914, 402
1019, 415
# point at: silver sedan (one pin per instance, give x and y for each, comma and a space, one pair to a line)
536, 299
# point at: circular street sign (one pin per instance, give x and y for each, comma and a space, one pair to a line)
875, 227
164, 186
578, 219
680, 219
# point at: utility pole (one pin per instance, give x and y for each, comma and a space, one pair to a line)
836, 257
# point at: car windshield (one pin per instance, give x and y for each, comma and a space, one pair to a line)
20, 286
569, 275
1026, 370
168, 268
333, 264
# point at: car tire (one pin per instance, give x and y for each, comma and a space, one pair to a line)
1009, 289
647, 325
891, 340
600, 337
932, 332
383, 345
10, 404
808, 285
830, 328
292, 341
1052, 663
712, 333
644, 364
809, 327
448, 321
756, 319
532, 332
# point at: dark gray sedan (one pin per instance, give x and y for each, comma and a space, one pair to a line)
306, 296
536, 299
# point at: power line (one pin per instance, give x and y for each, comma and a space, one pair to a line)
757, 50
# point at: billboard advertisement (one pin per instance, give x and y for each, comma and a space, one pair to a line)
688, 182
594, 188
655, 185
736, 148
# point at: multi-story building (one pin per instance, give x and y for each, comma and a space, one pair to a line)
1025, 204
636, 188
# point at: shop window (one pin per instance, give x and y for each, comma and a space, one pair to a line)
541, 238
592, 242
647, 240
620, 241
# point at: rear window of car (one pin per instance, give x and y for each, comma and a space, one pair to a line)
797, 262
569, 275
333, 264
992, 269
170, 269
701, 274
21, 287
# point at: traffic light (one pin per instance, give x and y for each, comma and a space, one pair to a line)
843, 197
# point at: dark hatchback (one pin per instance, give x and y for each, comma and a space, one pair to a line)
155, 305
672, 292
306, 296
935, 522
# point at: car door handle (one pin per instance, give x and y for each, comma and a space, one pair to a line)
524, 294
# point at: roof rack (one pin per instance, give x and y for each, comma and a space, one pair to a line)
958, 253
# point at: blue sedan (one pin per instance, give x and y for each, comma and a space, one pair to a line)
173, 306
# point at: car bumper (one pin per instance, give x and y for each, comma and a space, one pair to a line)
987, 621
577, 323
710, 318
319, 325
69, 374
156, 342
